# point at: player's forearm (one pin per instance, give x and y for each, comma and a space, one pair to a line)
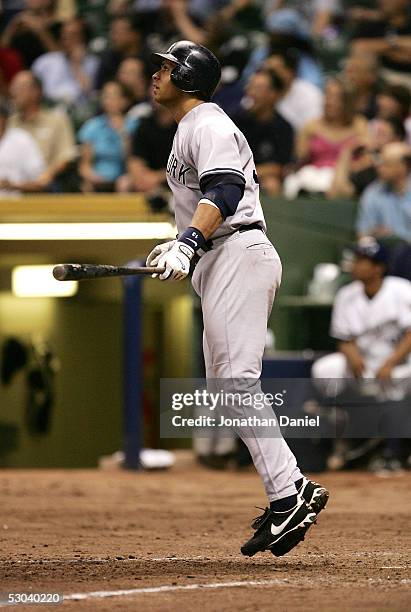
401, 351
349, 348
207, 218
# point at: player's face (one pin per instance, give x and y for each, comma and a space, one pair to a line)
364, 269
164, 92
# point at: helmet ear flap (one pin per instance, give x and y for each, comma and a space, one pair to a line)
182, 78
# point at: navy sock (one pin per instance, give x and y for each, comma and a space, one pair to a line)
284, 504
298, 484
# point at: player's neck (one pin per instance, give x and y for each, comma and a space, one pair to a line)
372, 286
183, 107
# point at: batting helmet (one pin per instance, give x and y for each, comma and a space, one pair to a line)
198, 70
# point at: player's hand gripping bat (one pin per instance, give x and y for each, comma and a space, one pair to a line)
68, 272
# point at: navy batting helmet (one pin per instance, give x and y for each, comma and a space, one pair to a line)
373, 249
198, 71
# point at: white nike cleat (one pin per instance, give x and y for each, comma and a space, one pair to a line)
279, 532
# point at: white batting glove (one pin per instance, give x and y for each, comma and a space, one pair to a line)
159, 250
154, 256
176, 262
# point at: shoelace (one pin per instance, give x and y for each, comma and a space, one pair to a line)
259, 520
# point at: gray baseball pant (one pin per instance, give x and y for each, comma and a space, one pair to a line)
237, 281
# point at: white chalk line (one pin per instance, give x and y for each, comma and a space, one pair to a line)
189, 587
171, 588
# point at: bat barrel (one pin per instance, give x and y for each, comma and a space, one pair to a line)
69, 272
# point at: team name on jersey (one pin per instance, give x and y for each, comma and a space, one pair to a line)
177, 169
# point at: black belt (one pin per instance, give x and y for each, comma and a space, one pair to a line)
209, 243
241, 229
252, 226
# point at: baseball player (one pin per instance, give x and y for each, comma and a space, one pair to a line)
371, 321
221, 225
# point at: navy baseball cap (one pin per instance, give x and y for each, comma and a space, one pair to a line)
369, 247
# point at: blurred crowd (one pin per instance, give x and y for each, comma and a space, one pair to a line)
320, 88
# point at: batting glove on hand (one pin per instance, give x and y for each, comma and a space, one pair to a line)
159, 250
176, 262
154, 256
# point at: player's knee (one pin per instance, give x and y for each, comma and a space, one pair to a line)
330, 366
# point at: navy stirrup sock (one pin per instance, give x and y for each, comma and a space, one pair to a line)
284, 504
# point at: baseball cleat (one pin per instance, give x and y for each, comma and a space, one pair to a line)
314, 495
279, 532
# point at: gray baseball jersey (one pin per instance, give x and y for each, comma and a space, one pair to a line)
207, 142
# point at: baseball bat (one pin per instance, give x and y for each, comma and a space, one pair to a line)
68, 272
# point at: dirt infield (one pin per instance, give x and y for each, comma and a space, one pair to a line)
173, 538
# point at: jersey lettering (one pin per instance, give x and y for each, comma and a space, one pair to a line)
182, 173
174, 165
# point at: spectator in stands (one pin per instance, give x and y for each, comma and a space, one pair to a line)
389, 37
150, 149
269, 135
321, 141
363, 71
316, 16
356, 166
302, 100
393, 101
68, 75
51, 129
33, 31
185, 24
21, 160
105, 141
371, 321
170, 20
287, 31
125, 41
385, 206
132, 75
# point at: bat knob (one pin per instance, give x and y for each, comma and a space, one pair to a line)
59, 272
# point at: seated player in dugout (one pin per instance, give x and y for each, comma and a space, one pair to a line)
371, 321
220, 222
